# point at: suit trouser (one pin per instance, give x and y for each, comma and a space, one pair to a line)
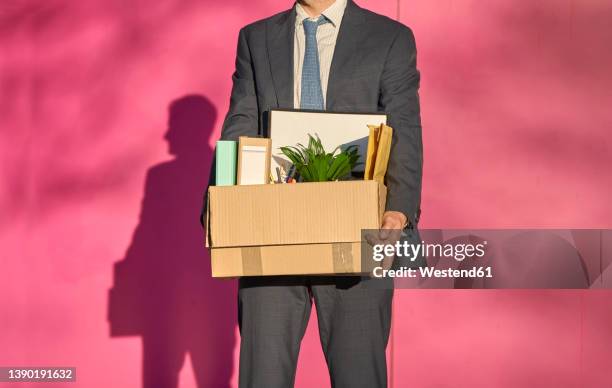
354, 323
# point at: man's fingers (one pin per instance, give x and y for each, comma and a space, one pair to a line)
387, 227
387, 234
384, 232
372, 238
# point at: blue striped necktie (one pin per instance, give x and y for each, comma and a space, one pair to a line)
311, 92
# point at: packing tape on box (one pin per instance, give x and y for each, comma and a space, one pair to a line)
343, 257
251, 261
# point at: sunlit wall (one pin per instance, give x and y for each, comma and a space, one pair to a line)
109, 110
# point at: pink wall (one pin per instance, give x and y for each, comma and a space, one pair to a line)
515, 99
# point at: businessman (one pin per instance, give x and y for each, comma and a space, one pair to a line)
335, 56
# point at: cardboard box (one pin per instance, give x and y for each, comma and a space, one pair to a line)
291, 229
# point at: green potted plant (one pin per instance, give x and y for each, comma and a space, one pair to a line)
314, 164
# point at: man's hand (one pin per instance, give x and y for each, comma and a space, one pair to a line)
390, 229
392, 220
389, 233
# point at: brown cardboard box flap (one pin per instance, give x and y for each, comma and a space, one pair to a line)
287, 214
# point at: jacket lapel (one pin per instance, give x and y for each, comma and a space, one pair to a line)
279, 36
346, 44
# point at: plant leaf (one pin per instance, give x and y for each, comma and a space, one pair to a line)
313, 164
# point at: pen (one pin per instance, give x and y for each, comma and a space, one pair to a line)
290, 174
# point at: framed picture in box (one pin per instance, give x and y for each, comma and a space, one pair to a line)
253, 161
288, 127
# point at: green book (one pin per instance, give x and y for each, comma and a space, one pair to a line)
225, 162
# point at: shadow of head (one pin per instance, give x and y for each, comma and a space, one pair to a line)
190, 125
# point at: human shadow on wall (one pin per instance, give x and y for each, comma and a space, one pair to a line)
162, 289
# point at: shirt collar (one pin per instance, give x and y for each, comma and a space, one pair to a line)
333, 13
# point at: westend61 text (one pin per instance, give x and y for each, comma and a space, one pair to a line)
431, 272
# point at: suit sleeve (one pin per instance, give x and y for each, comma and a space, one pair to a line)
400, 100
242, 117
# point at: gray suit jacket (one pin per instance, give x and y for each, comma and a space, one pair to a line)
373, 69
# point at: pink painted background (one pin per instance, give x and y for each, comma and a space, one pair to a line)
516, 99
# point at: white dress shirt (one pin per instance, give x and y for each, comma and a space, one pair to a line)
327, 35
